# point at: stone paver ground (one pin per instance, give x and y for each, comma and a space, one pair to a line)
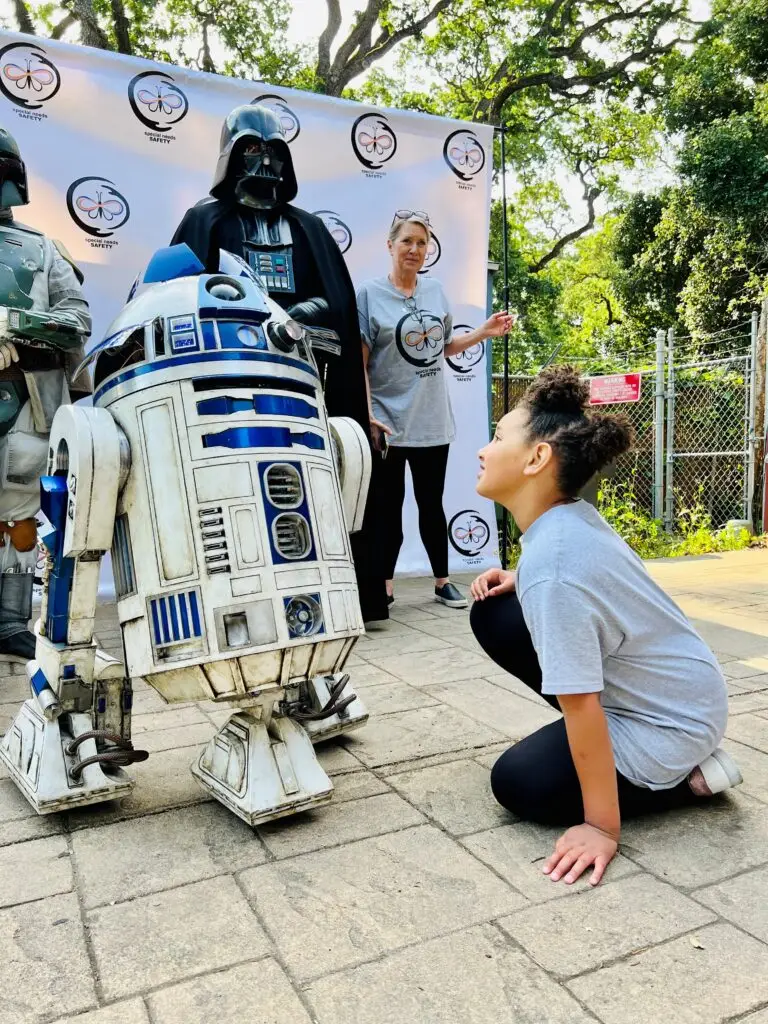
413, 898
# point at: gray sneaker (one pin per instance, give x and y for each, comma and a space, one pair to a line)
450, 596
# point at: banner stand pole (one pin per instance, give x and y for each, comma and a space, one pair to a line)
505, 304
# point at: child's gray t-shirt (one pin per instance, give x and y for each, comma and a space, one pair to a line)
599, 623
406, 368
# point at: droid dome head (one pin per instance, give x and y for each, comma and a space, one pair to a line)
255, 164
13, 174
178, 314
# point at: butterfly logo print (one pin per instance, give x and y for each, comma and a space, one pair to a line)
96, 206
27, 77
464, 154
468, 532
100, 208
157, 101
373, 140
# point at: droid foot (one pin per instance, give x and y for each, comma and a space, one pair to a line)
328, 707
56, 763
261, 772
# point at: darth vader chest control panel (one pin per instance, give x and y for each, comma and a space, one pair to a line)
275, 268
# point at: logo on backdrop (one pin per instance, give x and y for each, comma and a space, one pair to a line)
468, 533
374, 142
342, 236
28, 78
464, 363
97, 207
289, 121
434, 252
464, 154
419, 338
157, 102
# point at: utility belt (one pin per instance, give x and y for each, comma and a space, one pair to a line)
13, 394
14, 389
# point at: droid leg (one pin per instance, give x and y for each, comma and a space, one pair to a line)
326, 706
66, 746
262, 766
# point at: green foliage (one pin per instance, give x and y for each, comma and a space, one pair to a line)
646, 536
694, 255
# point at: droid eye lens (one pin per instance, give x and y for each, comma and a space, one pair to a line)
226, 288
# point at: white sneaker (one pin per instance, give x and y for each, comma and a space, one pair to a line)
720, 772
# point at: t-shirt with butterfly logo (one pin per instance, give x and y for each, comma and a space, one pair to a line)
406, 338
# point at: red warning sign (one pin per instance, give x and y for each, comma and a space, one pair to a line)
620, 387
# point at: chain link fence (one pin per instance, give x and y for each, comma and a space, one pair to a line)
695, 437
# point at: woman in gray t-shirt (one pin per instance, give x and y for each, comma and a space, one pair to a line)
583, 624
406, 325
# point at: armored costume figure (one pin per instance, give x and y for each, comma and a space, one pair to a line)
250, 213
44, 321
210, 467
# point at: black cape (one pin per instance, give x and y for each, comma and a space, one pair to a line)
214, 224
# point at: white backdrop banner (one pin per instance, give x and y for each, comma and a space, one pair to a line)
117, 149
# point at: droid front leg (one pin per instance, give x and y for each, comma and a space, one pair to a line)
326, 706
68, 743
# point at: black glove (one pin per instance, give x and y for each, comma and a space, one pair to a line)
311, 312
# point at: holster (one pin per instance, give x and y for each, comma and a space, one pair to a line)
23, 534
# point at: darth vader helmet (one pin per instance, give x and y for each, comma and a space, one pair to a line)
13, 174
255, 164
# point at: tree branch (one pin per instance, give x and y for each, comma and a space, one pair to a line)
574, 47
91, 33
122, 27
591, 192
491, 109
612, 319
23, 17
359, 51
66, 22
360, 33
325, 41
204, 58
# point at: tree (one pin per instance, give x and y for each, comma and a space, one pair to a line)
694, 255
575, 83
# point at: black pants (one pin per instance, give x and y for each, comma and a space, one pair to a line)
428, 466
536, 778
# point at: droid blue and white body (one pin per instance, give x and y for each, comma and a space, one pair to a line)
210, 468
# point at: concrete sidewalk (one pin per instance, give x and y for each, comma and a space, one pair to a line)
413, 898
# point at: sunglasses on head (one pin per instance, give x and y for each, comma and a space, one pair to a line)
407, 214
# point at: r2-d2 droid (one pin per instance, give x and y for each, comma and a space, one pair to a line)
209, 466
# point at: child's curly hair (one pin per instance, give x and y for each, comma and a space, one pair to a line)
583, 442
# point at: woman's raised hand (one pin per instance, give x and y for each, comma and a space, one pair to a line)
498, 324
493, 582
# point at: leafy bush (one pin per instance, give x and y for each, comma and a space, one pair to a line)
693, 535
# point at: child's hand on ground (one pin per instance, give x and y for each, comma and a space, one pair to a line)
493, 582
579, 848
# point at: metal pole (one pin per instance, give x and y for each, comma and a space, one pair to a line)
751, 435
669, 509
658, 431
505, 302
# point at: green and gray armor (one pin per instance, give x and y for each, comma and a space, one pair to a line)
44, 314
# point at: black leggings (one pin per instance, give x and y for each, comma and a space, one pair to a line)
428, 466
536, 778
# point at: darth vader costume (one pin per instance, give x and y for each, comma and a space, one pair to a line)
249, 212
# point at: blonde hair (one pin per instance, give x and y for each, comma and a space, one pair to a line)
397, 224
